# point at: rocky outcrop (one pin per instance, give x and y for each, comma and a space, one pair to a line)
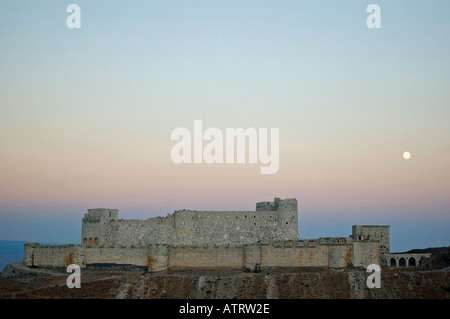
130, 282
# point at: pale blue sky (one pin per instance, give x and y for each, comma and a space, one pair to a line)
86, 115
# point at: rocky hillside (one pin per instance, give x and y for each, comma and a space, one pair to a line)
134, 283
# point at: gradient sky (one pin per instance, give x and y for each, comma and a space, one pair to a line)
86, 114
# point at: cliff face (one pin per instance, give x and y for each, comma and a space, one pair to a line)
301, 285
133, 282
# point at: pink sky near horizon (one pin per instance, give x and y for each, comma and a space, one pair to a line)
360, 178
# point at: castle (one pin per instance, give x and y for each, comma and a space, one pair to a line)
266, 237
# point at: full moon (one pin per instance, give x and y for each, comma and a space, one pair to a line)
406, 155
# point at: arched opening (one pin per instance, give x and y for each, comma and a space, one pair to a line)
85, 240
412, 262
402, 262
96, 241
393, 262
90, 241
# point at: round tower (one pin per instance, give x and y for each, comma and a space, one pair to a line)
288, 217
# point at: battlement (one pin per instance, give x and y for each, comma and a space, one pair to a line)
266, 206
267, 237
270, 221
98, 213
273, 206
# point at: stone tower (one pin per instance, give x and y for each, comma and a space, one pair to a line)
373, 232
288, 217
95, 223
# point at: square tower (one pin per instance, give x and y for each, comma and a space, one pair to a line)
95, 223
373, 232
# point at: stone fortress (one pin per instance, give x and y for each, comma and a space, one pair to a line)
187, 239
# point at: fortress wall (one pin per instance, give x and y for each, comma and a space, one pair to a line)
205, 257
158, 257
28, 254
140, 232
306, 254
54, 255
241, 227
252, 256
340, 256
366, 253
285, 256
117, 255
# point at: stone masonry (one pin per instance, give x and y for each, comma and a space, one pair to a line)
266, 237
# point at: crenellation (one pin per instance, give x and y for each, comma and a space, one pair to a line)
267, 237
